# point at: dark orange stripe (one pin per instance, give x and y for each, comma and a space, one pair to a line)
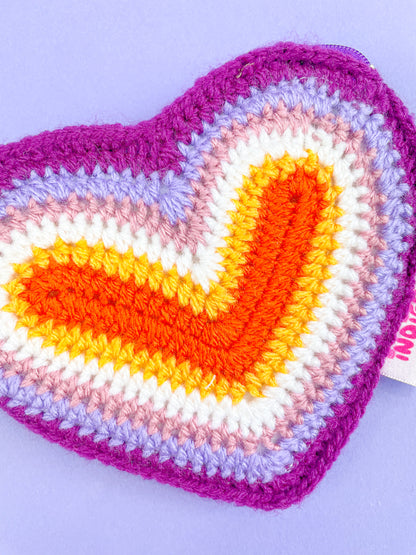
229, 346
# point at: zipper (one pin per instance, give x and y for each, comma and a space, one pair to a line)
350, 51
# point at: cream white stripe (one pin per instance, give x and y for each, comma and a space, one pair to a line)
246, 415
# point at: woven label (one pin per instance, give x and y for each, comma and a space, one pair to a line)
401, 360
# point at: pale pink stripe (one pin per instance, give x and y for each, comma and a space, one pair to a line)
157, 421
184, 234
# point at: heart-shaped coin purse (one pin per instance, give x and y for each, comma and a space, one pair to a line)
206, 298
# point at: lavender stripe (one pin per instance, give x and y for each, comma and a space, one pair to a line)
390, 183
394, 231
292, 93
171, 192
260, 66
252, 467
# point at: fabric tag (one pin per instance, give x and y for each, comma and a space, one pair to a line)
400, 363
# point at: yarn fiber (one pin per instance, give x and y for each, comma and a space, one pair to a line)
206, 298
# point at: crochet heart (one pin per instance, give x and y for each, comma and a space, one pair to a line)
206, 298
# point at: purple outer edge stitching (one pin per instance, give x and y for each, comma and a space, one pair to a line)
124, 146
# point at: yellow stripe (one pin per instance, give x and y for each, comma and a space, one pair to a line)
299, 312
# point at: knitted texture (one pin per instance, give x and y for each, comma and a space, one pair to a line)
206, 298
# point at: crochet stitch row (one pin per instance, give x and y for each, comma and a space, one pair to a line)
203, 316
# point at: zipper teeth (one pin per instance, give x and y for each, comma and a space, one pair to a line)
349, 50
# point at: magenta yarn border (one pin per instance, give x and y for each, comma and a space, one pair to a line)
123, 147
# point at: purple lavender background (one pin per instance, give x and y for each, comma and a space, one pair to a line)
74, 62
